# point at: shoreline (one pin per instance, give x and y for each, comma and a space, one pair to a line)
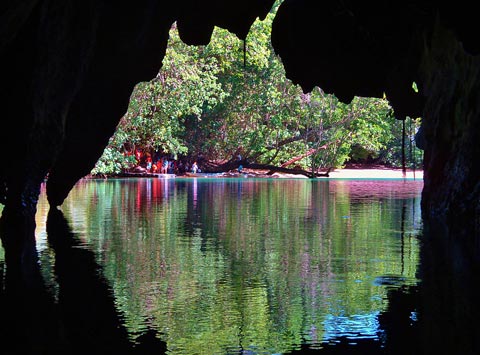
353, 172
357, 172
375, 173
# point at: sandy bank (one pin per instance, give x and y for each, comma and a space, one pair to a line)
375, 173
362, 172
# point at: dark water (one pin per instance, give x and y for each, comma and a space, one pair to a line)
229, 266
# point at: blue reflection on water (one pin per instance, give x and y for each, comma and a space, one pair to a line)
355, 326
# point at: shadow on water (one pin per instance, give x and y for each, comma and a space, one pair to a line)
440, 315
449, 304
81, 319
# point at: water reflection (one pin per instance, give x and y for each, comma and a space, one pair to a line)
233, 266
259, 265
54, 298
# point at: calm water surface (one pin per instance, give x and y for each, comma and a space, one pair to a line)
252, 266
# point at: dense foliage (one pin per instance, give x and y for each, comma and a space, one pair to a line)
231, 98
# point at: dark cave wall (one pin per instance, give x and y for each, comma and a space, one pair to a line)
368, 49
69, 68
127, 47
451, 134
354, 49
43, 62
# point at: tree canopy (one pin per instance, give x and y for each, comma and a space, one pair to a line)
231, 98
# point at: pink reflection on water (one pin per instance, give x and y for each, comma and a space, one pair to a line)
376, 189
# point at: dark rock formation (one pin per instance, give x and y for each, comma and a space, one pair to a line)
451, 134
69, 67
354, 48
68, 71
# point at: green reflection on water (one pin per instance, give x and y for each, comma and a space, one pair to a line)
266, 265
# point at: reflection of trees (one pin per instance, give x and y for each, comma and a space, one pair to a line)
262, 262
54, 299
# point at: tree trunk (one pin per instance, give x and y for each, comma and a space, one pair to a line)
304, 155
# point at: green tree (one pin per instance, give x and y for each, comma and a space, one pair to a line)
232, 98
392, 153
155, 121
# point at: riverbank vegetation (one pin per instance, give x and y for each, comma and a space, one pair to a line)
229, 103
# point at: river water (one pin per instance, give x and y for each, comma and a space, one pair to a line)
241, 266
